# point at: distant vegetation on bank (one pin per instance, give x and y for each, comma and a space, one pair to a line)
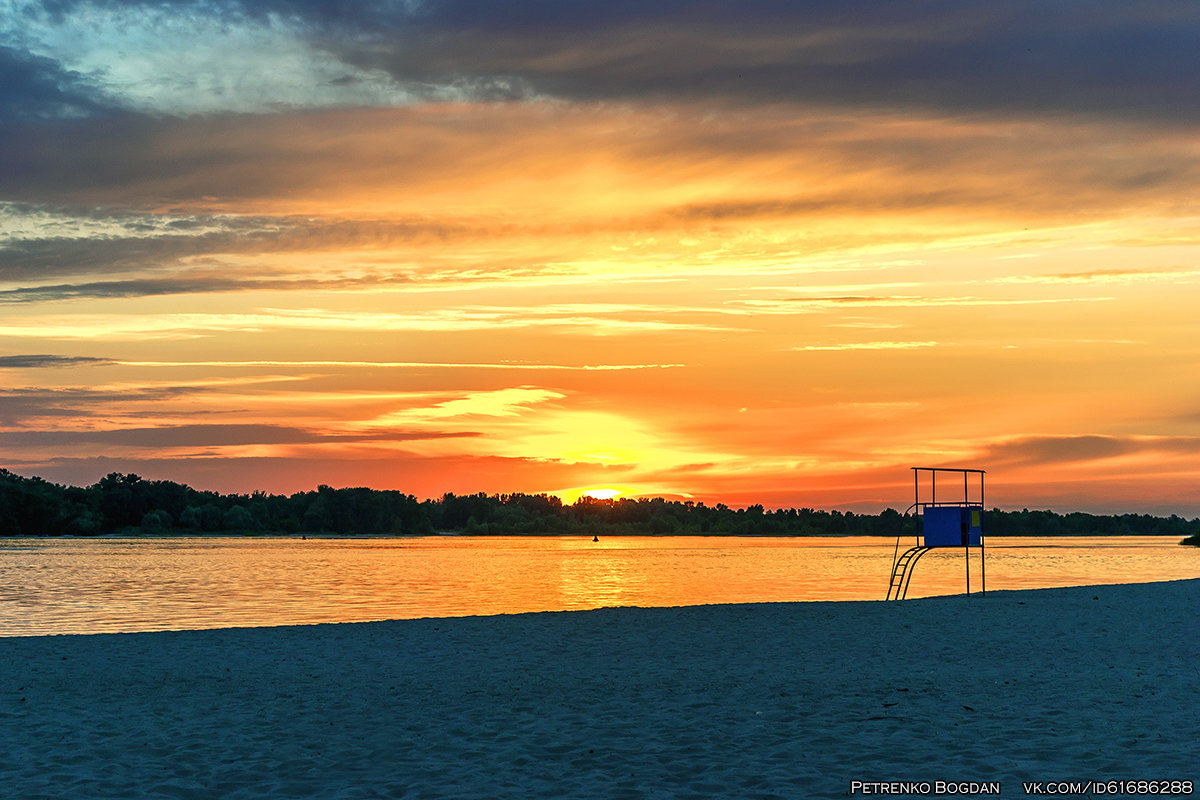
127, 504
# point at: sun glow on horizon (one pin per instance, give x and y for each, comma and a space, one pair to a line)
604, 494
571, 496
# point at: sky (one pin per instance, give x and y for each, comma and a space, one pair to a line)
755, 252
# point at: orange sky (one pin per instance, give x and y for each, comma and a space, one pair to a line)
566, 254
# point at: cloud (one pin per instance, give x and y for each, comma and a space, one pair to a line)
132, 400
1015, 56
800, 305
1020, 55
414, 179
207, 284
44, 241
1107, 276
1061, 450
40, 361
24, 407
501, 365
224, 435
599, 320
196, 58
509, 402
866, 346
37, 88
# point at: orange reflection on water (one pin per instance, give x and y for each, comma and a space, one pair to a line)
106, 585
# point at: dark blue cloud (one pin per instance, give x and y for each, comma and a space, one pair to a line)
158, 287
33, 88
42, 361
1094, 57
1098, 57
1048, 56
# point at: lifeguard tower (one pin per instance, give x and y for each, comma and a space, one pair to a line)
954, 520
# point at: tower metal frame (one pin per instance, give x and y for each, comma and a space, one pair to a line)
902, 564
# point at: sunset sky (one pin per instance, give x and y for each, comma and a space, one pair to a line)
754, 252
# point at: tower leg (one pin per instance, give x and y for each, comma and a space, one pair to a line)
982, 565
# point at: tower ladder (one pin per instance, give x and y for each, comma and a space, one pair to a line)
902, 572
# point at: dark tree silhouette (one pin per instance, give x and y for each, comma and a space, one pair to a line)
129, 505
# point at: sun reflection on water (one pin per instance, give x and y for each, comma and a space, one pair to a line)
108, 585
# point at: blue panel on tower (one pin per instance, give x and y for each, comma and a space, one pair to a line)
953, 526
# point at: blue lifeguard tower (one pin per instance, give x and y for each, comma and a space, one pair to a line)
955, 520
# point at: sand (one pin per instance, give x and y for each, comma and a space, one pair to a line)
737, 701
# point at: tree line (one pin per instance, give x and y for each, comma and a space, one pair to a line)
127, 504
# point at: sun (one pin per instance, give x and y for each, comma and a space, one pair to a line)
598, 493
602, 494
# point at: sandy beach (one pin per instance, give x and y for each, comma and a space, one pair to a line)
738, 701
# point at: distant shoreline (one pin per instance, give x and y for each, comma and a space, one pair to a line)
135, 534
129, 505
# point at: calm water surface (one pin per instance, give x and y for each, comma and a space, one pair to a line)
111, 585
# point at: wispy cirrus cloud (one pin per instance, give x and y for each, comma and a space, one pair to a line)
214, 435
108, 397
27, 407
1107, 276
795, 305
879, 345
187, 284
41, 361
509, 402
465, 365
40, 242
592, 320
1088, 449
